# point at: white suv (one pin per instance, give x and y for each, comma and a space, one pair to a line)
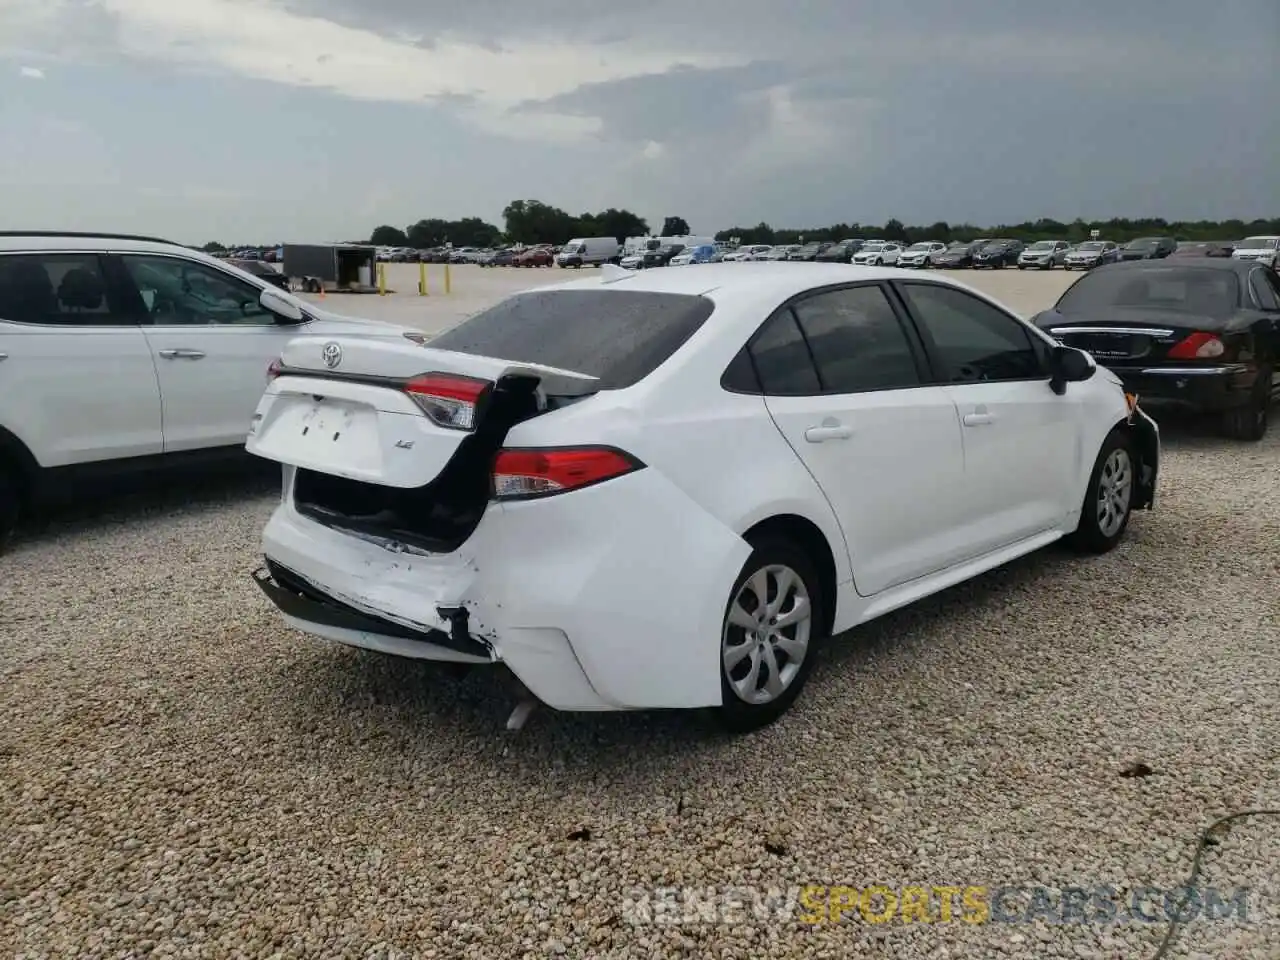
124, 351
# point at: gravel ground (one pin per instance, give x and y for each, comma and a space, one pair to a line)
182, 776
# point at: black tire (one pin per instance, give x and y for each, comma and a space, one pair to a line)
1248, 423
1090, 536
740, 715
10, 504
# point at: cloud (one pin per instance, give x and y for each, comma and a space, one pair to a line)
267, 41
31, 73
719, 111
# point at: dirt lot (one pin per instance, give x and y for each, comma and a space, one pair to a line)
183, 776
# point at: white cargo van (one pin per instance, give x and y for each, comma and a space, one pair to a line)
589, 252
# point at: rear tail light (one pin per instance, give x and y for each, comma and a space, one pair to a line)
524, 474
274, 369
1198, 346
450, 401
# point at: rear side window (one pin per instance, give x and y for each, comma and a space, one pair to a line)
55, 288
783, 359
618, 336
1264, 288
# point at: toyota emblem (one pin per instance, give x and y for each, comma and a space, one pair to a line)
331, 354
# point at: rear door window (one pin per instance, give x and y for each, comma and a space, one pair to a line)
66, 289
617, 336
856, 341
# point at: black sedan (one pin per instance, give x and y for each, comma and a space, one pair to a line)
263, 271
662, 256
1199, 333
810, 251
958, 255
998, 254
841, 252
1148, 248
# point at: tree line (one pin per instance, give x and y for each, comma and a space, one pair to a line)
532, 222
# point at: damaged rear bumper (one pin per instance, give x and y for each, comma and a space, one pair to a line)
307, 606
556, 590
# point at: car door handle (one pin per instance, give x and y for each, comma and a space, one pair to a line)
977, 419
4, 356
182, 354
828, 431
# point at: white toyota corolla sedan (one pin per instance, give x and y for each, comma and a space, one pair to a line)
667, 489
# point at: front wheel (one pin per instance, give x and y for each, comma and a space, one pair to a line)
1108, 499
772, 625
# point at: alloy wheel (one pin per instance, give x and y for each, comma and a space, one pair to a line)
766, 634
1115, 488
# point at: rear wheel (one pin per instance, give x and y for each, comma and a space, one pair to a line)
1108, 498
772, 624
1249, 422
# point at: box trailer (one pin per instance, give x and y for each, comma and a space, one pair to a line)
345, 267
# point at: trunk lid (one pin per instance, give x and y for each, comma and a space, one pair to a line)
1141, 337
361, 408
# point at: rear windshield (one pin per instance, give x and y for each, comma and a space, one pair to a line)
618, 336
1213, 293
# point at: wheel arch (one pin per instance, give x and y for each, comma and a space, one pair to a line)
15, 454
1145, 443
806, 535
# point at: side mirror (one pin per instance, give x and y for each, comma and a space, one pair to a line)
285, 309
1070, 366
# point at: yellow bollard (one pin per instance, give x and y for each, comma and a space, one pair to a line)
422, 279
382, 279
448, 285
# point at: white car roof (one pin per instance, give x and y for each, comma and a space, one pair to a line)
768, 280
14, 242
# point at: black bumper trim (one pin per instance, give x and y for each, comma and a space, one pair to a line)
296, 598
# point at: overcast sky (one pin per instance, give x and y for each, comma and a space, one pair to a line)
258, 120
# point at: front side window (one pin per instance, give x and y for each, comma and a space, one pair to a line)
182, 292
856, 341
974, 340
66, 289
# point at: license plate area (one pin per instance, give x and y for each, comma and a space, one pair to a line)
322, 433
1108, 346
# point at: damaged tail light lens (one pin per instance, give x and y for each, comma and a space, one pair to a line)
528, 473
1198, 346
450, 401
